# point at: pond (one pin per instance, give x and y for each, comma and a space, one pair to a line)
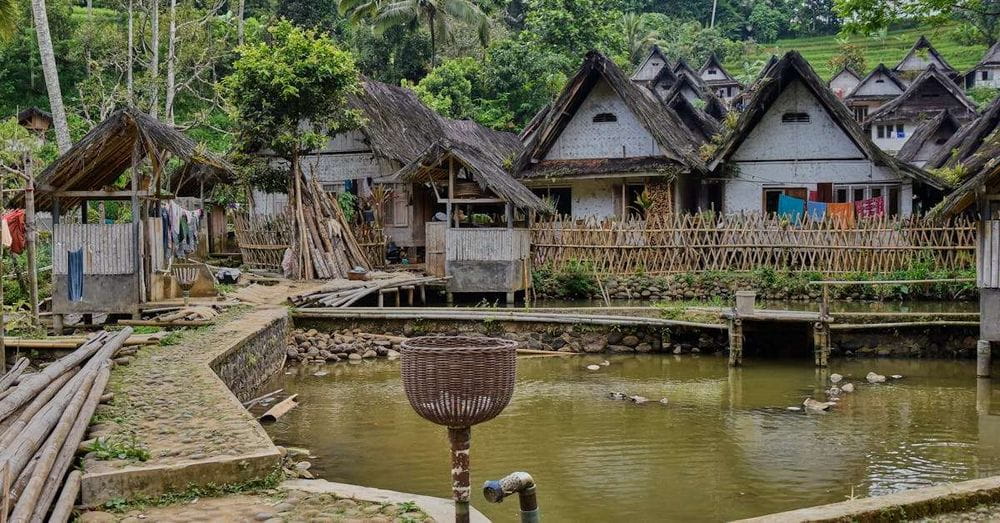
724, 447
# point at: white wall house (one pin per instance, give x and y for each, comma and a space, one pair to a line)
718, 80
796, 138
843, 82
651, 66
876, 89
921, 56
987, 72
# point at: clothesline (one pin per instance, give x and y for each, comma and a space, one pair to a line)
795, 209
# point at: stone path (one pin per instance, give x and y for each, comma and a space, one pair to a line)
169, 403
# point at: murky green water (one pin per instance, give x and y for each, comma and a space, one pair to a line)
724, 448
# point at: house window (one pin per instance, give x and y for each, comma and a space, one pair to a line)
860, 113
771, 197
795, 118
880, 130
560, 197
711, 71
605, 117
841, 195
984, 75
899, 131
859, 194
855, 193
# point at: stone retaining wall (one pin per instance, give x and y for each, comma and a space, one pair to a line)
911, 342
249, 362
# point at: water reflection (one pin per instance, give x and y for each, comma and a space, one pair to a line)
725, 447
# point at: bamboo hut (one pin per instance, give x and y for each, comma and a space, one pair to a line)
483, 242
115, 267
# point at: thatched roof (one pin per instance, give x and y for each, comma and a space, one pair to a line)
670, 134
535, 122
794, 68
924, 45
600, 167
655, 54
398, 125
713, 105
911, 105
104, 153
682, 68
739, 101
845, 69
880, 70
713, 62
701, 124
944, 122
973, 145
24, 117
483, 154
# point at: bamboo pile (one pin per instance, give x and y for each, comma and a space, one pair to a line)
43, 419
324, 246
263, 240
745, 242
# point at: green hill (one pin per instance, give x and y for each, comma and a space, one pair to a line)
819, 49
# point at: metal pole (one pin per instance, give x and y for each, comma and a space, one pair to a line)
460, 439
715, 3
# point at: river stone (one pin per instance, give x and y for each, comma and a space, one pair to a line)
794, 409
392, 354
678, 350
812, 404
847, 387
369, 354
875, 378
593, 367
664, 401
354, 357
620, 348
896, 376
630, 341
639, 400
836, 378
605, 363
617, 395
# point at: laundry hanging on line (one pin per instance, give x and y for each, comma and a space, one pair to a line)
15, 235
791, 207
842, 214
870, 208
180, 230
816, 210
74, 274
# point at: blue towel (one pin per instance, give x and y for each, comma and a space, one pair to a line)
74, 265
816, 210
791, 207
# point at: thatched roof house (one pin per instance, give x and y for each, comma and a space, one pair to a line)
718, 80
986, 73
651, 66
921, 56
874, 90
929, 139
844, 81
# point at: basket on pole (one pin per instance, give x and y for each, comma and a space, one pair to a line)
457, 382
186, 275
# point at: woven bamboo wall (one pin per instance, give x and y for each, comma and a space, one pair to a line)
263, 239
707, 242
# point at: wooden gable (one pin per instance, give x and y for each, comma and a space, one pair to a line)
651, 66
930, 93
921, 56
881, 83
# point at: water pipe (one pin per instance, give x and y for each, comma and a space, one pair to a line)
521, 483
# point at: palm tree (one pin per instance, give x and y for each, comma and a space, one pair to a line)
8, 18
638, 36
435, 13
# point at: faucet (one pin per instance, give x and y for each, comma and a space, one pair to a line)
520, 482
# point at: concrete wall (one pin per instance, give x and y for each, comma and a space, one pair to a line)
649, 69
583, 138
820, 138
744, 192
250, 362
919, 60
992, 76
892, 143
878, 84
989, 308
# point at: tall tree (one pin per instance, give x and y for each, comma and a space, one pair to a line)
872, 16
436, 14
8, 18
51, 74
638, 35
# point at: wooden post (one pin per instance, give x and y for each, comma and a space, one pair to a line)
134, 200
5, 481
510, 215
735, 326
983, 359
460, 438
31, 231
3, 353
821, 343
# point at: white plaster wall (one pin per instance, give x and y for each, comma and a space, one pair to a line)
893, 145
649, 69
582, 138
916, 62
745, 191
873, 87
842, 84
707, 75
993, 77
818, 139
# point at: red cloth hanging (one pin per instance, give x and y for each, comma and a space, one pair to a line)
814, 196
18, 236
870, 208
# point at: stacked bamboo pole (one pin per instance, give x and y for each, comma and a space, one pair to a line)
326, 246
43, 419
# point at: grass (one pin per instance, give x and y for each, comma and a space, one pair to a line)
889, 50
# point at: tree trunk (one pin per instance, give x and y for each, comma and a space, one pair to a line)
168, 106
433, 41
32, 240
129, 84
51, 74
154, 58
239, 22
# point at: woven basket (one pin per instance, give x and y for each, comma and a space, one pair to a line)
468, 190
458, 381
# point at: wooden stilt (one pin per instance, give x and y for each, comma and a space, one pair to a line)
821, 343
510, 298
735, 326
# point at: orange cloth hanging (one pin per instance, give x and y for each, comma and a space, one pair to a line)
841, 213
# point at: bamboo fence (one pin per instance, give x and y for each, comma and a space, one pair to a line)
745, 242
263, 239
372, 240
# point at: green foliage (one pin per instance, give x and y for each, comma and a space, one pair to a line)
289, 92
848, 55
349, 204
576, 280
872, 16
764, 22
982, 95
449, 88
119, 447
402, 55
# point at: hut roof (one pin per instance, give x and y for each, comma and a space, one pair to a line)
699, 122
924, 45
398, 125
535, 122
104, 153
791, 68
682, 68
26, 115
483, 161
973, 145
901, 105
714, 62
959, 200
674, 140
846, 69
990, 57
926, 131
740, 100
879, 69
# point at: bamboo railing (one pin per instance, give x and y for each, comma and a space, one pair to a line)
372, 240
745, 242
263, 239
